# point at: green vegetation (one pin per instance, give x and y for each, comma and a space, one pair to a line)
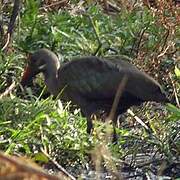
30, 124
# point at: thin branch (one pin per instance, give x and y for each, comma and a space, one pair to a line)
59, 167
157, 47
141, 33
110, 7
96, 34
13, 16
140, 39
54, 4
165, 39
117, 97
1, 29
141, 165
8, 90
164, 52
1, 25
112, 113
106, 5
11, 23
174, 90
138, 119
7, 42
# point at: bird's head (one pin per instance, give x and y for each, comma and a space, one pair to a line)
42, 61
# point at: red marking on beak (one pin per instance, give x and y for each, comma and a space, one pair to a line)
27, 76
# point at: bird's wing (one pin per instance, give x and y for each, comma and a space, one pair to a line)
96, 78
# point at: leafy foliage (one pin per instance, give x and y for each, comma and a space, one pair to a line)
30, 124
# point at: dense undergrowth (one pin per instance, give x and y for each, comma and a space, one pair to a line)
31, 124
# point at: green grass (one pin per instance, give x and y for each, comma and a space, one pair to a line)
30, 124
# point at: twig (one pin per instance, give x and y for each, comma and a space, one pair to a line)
117, 97
174, 90
54, 4
135, 176
8, 90
112, 113
106, 5
110, 7
7, 42
148, 163
140, 39
164, 52
141, 33
11, 23
1, 29
111, 49
157, 47
101, 152
59, 167
165, 39
13, 16
1, 25
138, 119
96, 33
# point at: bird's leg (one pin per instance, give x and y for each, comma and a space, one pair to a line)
89, 125
88, 112
115, 138
87, 109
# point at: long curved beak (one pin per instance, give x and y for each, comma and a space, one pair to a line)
27, 76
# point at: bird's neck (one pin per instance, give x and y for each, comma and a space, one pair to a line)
51, 80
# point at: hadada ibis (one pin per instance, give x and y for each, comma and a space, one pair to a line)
91, 82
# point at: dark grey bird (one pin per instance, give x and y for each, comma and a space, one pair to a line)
92, 82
